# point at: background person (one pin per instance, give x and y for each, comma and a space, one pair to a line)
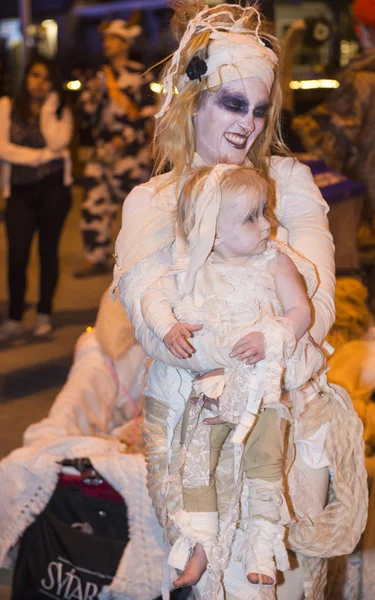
117, 105
35, 131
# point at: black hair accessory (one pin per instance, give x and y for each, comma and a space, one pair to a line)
267, 42
196, 68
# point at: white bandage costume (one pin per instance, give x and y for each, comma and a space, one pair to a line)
325, 430
230, 301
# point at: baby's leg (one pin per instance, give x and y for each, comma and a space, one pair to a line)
201, 516
263, 459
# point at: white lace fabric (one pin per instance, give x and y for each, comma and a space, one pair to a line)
236, 301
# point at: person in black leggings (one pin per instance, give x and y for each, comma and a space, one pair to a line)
35, 131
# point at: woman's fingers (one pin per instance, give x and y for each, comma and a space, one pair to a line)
182, 353
176, 352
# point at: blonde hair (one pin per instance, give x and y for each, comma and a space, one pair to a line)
174, 138
232, 183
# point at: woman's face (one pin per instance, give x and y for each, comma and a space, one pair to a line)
228, 122
38, 82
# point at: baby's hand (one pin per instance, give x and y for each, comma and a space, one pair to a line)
250, 347
176, 341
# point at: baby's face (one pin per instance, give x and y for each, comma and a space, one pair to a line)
242, 230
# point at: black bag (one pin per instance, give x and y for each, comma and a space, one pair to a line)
74, 546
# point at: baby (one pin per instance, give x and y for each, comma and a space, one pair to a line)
229, 280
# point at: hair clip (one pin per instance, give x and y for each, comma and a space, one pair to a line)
267, 42
196, 68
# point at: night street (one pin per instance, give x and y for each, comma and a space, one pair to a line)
32, 372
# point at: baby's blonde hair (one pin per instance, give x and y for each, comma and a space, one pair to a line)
233, 181
174, 139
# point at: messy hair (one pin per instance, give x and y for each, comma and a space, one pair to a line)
174, 139
233, 182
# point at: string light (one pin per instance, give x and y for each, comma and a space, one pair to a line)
158, 88
74, 85
314, 84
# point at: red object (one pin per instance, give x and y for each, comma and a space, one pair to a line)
103, 491
364, 11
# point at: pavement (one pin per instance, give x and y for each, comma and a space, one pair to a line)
32, 372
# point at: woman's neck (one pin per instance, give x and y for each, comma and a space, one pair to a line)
35, 106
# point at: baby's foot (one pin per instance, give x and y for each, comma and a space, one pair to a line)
259, 578
194, 569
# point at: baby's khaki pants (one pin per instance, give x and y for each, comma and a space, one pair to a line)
262, 459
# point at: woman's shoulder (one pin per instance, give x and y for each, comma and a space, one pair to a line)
288, 168
5, 104
154, 183
157, 185
295, 181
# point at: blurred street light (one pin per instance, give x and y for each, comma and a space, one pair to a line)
314, 84
73, 86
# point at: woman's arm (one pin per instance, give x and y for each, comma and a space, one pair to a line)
19, 155
56, 131
302, 212
156, 306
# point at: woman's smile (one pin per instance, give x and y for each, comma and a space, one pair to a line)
236, 140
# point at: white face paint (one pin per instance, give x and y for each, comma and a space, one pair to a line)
241, 230
228, 122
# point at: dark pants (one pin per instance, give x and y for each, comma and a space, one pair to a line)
43, 207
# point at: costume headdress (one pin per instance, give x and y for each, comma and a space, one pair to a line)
234, 52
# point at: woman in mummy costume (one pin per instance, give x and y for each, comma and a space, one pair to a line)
226, 110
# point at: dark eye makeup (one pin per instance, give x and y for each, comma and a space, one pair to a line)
234, 103
237, 103
261, 111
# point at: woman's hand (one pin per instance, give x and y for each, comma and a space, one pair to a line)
176, 341
249, 348
47, 155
